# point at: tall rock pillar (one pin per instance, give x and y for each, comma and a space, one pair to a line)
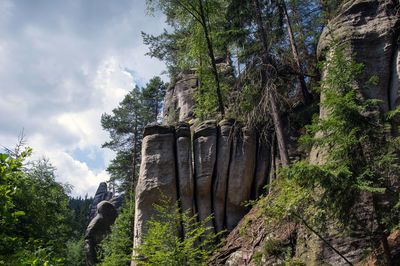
157, 175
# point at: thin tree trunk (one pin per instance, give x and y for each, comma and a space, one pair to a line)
212, 57
310, 69
303, 86
270, 90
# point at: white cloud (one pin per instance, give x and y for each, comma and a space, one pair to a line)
63, 64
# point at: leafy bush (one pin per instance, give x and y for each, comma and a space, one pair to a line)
163, 245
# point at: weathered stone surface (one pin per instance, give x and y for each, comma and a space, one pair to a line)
101, 194
241, 173
370, 28
117, 201
179, 103
263, 167
157, 175
98, 228
224, 142
184, 167
204, 145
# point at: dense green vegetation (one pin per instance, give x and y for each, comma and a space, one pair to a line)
359, 160
140, 107
37, 225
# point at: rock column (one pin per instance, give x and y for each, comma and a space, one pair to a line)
204, 145
241, 175
157, 175
184, 167
222, 167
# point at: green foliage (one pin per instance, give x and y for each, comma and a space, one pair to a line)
125, 126
11, 177
117, 246
357, 157
76, 254
34, 220
81, 209
162, 245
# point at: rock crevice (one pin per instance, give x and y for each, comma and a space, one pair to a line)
212, 170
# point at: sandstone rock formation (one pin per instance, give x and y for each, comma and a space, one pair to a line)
157, 175
205, 149
101, 217
185, 167
216, 177
178, 103
371, 28
222, 171
101, 194
241, 175
98, 228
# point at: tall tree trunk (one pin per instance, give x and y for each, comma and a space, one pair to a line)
212, 57
271, 90
310, 69
303, 86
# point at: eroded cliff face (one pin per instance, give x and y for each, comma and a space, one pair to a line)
179, 102
226, 168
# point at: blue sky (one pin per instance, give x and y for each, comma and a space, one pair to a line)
63, 64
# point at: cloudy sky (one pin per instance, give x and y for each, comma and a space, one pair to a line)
62, 64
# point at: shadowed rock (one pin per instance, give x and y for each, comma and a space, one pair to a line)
98, 228
179, 103
222, 167
184, 167
241, 175
204, 145
101, 194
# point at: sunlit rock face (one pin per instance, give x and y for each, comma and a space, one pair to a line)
210, 169
370, 28
179, 102
157, 175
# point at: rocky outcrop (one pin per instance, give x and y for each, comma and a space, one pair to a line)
222, 172
102, 193
370, 28
216, 177
157, 175
98, 228
205, 153
179, 102
185, 167
241, 175
103, 212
